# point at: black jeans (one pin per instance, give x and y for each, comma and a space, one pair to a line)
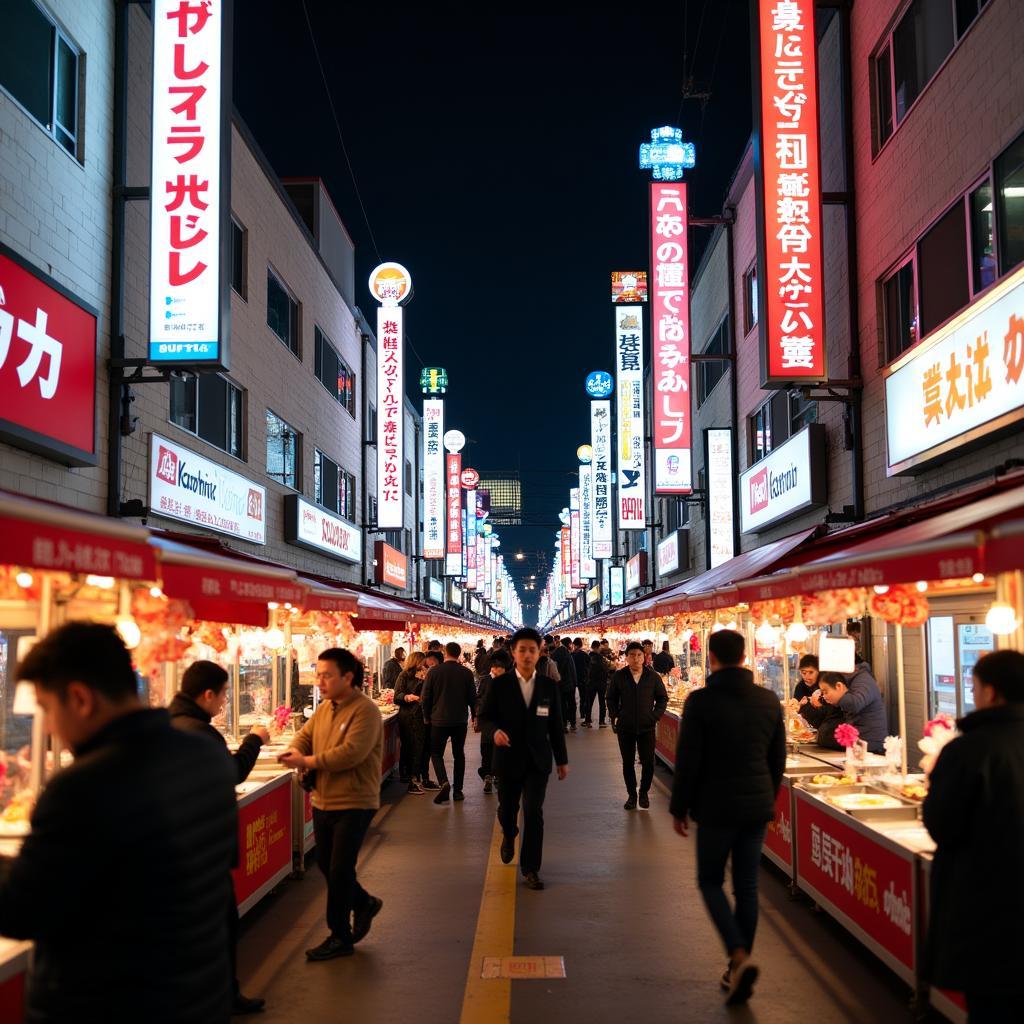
632, 744
530, 788
439, 736
424, 767
985, 1009
568, 704
411, 729
486, 758
339, 835
596, 690
714, 845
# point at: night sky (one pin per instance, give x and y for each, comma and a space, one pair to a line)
496, 158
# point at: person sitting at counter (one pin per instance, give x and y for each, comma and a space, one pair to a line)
808, 684
858, 701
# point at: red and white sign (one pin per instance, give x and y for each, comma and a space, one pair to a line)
453, 474
392, 567
666, 738
433, 478
588, 567
470, 478
47, 366
575, 539
668, 553
670, 338
721, 542
187, 183
264, 843
629, 390
636, 571
789, 184
564, 552
185, 486
390, 419
601, 441
778, 840
788, 480
307, 525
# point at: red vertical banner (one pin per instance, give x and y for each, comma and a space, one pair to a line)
670, 338
453, 487
565, 552
791, 299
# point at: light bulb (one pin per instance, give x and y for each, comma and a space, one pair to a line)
978, 577
103, 582
766, 634
24, 580
922, 585
274, 638
796, 633
717, 627
687, 635
1001, 618
155, 592
128, 630
881, 589
273, 605
731, 625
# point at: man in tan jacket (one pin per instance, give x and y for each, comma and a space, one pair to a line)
343, 743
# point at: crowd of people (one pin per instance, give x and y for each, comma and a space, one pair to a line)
133, 843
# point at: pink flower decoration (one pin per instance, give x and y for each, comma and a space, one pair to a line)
847, 735
941, 723
281, 716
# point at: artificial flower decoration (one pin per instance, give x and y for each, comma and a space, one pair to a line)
847, 735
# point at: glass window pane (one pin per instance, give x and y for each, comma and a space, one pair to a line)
213, 410
67, 88
921, 42
942, 266
982, 242
183, 403
972, 643
282, 312
966, 12
235, 421
941, 667
26, 57
883, 94
900, 312
1010, 196
282, 451
238, 269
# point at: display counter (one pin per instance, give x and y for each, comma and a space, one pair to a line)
264, 836
666, 736
778, 840
14, 962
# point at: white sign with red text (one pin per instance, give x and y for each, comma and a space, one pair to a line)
317, 528
629, 390
390, 419
588, 567
434, 494
721, 484
601, 441
786, 481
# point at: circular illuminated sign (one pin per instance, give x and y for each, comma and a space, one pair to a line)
585, 454
454, 441
599, 384
470, 478
391, 284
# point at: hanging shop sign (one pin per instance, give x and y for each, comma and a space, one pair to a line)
435, 590
789, 480
309, 526
600, 384
472, 528
636, 571
617, 585
433, 380
575, 547
187, 487
601, 442
673, 553
434, 492
564, 552
670, 338
790, 266
455, 595
962, 383
453, 473
588, 566
390, 566
629, 389
594, 595
47, 365
469, 479
629, 287
190, 180
721, 514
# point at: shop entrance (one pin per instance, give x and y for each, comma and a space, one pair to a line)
955, 643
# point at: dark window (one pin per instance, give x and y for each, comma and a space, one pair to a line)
408, 477
921, 41
770, 426
239, 254
883, 96
801, 412
283, 442
333, 372
210, 407
966, 12
900, 302
942, 269
983, 253
371, 423
750, 299
333, 487
711, 371
39, 68
1010, 198
282, 312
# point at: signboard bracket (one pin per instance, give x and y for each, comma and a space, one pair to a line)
851, 388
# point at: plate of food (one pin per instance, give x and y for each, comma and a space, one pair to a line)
914, 791
863, 801
826, 781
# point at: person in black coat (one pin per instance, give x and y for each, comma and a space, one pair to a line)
448, 700
521, 715
729, 763
581, 664
392, 669
808, 685
859, 701
663, 661
500, 662
559, 654
975, 813
121, 883
411, 727
598, 671
636, 700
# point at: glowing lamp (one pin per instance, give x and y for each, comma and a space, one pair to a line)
128, 630
24, 580
103, 582
796, 633
1001, 618
881, 589
766, 634
274, 638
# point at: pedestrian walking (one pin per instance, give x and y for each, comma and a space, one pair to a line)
598, 672
449, 700
559, 654
636, 700
480, 662
521, 715
648, 649
412, 730
121, 882
430, 659
392, 669
203, 693
975, 813
581, 664
500, 663
343, 743
729, 763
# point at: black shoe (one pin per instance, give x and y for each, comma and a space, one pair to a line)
430, 784
404, 778
329, 949
508, 849
572, 728
488, 785
458, 795
243, 1005
442, 794
415, 787
630, 804
741, 983
362, 919
645, 801
533, 881
603, 725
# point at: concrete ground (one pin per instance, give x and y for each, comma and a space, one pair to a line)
621, 907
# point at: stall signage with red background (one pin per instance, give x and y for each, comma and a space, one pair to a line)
670, 336
779, 836
636, 571
392, 566
47, 365
264, 841
790, 282
666, 738
453, 475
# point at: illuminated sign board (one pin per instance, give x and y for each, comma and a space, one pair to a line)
453, 490
629, 390
617, 585
434, 492
629, 287
601, 442
721, 517
309, 526
588, 567
786, 482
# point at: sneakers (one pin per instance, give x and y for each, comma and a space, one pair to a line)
430, 784
741, 983
533, 881
442, 794
630, 804
329, 949
572, 727
489, 784
645, 801
415, 787
362, 919
458, 795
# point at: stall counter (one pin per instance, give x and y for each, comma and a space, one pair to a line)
666, 736
264, 837
14, 962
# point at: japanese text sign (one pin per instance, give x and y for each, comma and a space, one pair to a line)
392, 567
309, 526
629, 391
601, 442
721, 483
264, 842
575, 547
636, 571
778, 838
588, 567
453, 490
434, 492
789, 195
390, 419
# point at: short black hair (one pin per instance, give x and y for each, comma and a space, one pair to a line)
500, 659
832, 678
548, 638
81, 652
434, 656
634, 645
566, 642
854, 629
525, 634
647, 643
595, 645
604, 642
578, 642
398, 651
809, 661
728, 647
201, 676
1004, 672
346, 662
434, 645
452, 649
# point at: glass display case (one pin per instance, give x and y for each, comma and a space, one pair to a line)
20, 735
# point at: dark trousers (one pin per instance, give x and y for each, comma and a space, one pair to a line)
233, 937
339, 835
631, 745
439, 736
714, 845
530, 788
999, 1009
411, 730
568, 705
424, 767
595, 690
486, 758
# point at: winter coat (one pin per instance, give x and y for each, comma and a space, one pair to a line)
731, 752
581, 663
862, 707
566, 669
975, 813
408, 682
598, 670
636, 707
188, 715
449, 695
390, 673
123, 883
663, 663
546, 667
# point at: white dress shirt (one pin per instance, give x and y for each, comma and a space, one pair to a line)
526, 686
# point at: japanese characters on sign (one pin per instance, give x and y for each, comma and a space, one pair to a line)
670, 338
601, 442
309, 526
189, 184
789, 195
472, 556
790, 479
453, 559
629, 390
721, 528
564, 552
963, 381
390, 419
575, 546
47, 366
636, 571
616, 585
390, 566
588, 567
433, 479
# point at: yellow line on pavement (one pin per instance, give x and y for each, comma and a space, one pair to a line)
487, 1000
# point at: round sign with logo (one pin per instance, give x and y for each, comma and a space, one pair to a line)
454, 441
585, 454
470, 478
391, 284
599, 384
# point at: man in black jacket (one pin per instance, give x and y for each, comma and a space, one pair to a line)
521, 715
448, 700
636, 700
392, 669
581, 663
598, 670
122, 881
729, 764
559, 654
975, 813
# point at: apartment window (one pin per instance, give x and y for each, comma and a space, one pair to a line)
710, 372
802, 411
966, 12
942, 269
750, 299
282, 312
1009, 178
39, 68
239, 258
333, 372
899, 297
333, 487
983, 253
770, 426
283, 441
883, 96
408, 478
210, 407
371, 423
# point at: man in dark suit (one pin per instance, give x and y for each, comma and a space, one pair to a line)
521, 715
448, 700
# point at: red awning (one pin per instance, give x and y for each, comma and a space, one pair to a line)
1004, 548
323, 598
40, 535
